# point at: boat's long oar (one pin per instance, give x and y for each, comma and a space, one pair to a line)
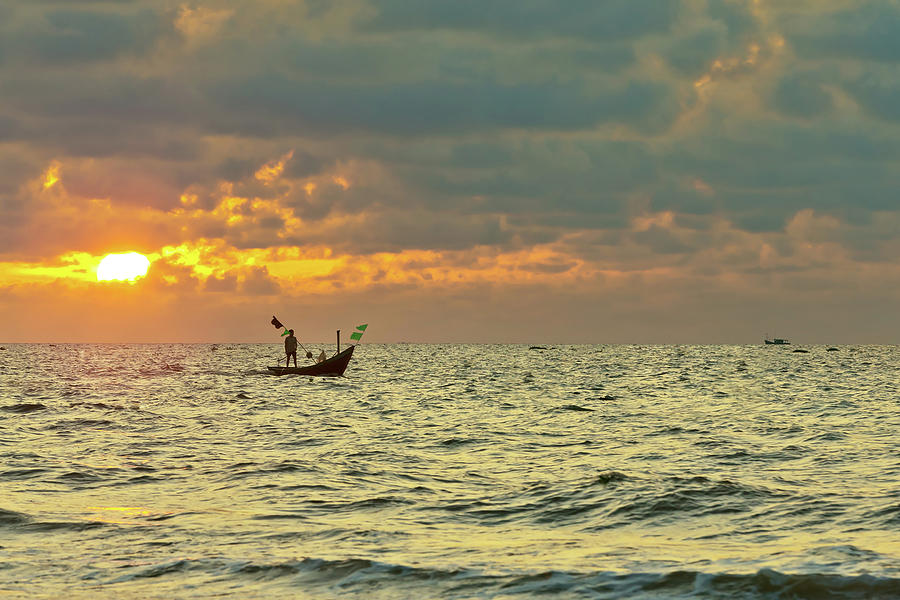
278, 324
308, 353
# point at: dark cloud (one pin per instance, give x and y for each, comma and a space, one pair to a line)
72, 37
736, 15
877, 93
661, 241
437, 107
109, 138
395, 231
107, 96
684, 199
801, 95
165, 275
256, 281
327, 198
551, 176
759, 212
867, 32
692, 55
224, 283
611, 19
16, 167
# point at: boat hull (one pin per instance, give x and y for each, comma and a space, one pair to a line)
330, 367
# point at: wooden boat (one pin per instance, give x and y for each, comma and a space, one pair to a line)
330, 367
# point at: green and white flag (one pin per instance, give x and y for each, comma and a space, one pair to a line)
360, 329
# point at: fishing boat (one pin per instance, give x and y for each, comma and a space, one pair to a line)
330, 367
778, 342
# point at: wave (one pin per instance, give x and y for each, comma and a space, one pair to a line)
456, 442
27, 524
71, 424
610, 499
97, 405
364, 504
61, 526
11, 517
358, 576
887, 517
17, 474
78, 477
694, 496
23, 408
162, 369
131, 370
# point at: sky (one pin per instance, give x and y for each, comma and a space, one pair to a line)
511, 171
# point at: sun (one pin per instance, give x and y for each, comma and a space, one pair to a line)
122, 267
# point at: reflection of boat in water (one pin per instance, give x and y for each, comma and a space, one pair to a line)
330, 367
778, 341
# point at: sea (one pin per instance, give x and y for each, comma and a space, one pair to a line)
451, 471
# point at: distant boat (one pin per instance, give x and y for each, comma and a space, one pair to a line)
778, 342
330, 367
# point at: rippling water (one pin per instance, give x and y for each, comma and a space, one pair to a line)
456, 471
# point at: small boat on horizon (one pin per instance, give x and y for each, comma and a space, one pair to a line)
778, 341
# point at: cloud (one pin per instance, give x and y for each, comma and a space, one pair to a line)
257, 282
201, 23
70, 36
452, 152
436, 107
224, 283
877, 94
612, 19
802, 95
865, 32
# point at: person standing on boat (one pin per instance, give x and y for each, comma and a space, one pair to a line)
290, 348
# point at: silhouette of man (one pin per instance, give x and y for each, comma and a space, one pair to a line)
290, 348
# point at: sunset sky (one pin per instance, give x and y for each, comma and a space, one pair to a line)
587, 171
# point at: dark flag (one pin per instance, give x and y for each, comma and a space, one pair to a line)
276, 323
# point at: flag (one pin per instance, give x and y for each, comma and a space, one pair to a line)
362, 327
357, 335
276, 323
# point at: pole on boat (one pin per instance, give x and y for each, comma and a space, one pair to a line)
339, 341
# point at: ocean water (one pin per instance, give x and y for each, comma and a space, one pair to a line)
450, 471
